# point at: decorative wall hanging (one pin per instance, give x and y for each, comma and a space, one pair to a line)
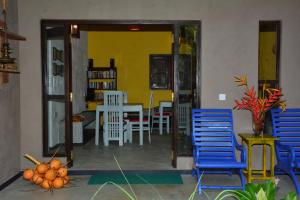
7, 63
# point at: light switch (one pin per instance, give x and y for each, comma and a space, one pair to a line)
222, 97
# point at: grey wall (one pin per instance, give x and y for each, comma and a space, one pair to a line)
79, 67
10, 111
229, 47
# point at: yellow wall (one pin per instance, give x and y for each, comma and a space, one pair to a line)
131, 53
267, 56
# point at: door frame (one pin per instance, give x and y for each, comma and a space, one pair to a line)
161, 23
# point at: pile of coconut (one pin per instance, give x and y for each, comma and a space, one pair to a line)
49, 175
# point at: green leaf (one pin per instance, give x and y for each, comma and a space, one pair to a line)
265, 191
238, 194
290, 196
244, 195
261, 195
269, 188
252, 190
128, 195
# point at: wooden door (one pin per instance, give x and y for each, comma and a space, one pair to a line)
57, 96
186, 51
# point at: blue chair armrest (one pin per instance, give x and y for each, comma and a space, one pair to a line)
291, 151
243, 153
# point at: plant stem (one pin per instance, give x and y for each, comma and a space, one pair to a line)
125, 177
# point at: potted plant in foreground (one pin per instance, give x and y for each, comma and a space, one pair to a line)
258, 106
253, 191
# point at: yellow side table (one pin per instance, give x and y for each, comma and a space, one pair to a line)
264, 140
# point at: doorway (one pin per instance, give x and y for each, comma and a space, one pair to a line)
269, 62
185, 77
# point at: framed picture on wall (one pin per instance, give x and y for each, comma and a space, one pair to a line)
160, 71
57, 54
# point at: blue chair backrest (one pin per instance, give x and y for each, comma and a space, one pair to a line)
213, 135
286, 127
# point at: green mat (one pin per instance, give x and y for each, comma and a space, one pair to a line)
137, 178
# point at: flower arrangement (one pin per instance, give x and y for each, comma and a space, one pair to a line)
258, 106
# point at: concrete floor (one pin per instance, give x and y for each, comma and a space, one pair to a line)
78, 189
154, 156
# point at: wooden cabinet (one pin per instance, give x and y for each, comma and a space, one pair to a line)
99, 79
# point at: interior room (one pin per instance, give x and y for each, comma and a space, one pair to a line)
78, 79
124, 52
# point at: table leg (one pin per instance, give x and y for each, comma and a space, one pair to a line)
249, 175
264, 172
160, 120
272, 149
105, 129
97, 128
141, 126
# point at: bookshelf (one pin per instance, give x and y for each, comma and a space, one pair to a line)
99, 79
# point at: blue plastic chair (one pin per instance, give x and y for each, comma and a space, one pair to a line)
286, 127
214, 146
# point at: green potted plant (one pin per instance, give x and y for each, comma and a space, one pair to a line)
263, 191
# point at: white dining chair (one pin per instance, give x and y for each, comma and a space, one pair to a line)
125, 101
113, 118
133, 123
125, 97
156, 117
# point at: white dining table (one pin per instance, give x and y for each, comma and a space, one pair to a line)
162, 105
126, 108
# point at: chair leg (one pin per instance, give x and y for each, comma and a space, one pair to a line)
149, 134
199, 180
126, 132
121, 142
295, 181
130, 132
105, 135
151, 128
194, 172
168, 124
126, 135
242, 178
121, 134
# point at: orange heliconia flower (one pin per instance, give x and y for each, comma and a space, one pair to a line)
241, 80
258, 106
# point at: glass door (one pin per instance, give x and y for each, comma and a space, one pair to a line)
186, 85
57, 110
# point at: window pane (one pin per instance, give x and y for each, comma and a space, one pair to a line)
56, 126
55, 60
